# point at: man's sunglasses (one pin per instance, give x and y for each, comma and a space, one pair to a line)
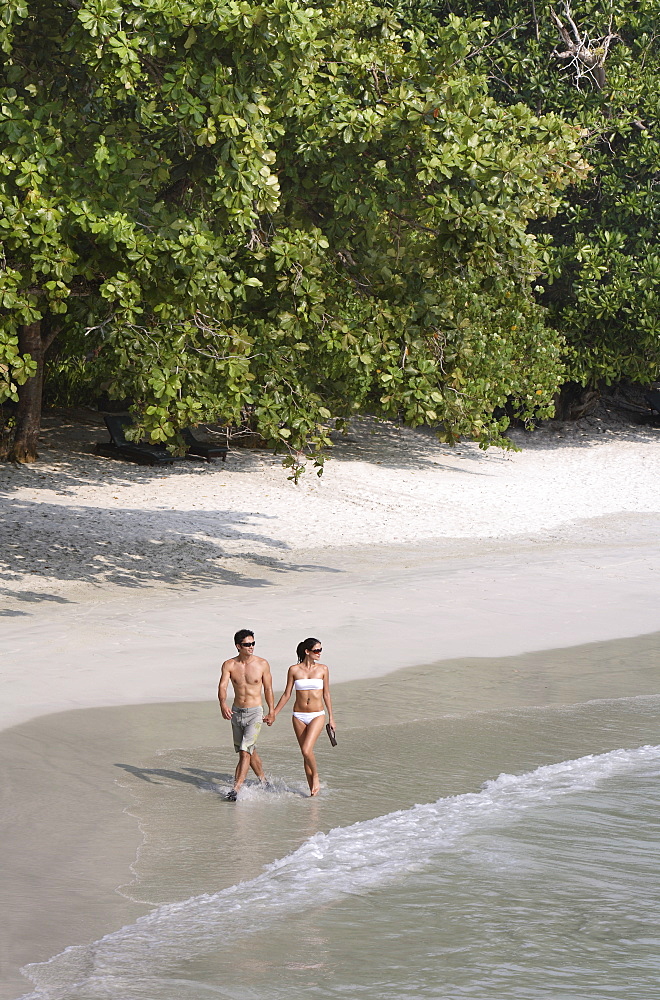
246, 644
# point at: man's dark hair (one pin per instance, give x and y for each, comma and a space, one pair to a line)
242, 634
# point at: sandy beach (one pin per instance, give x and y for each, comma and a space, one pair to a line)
77, 522
465, 584
141, 574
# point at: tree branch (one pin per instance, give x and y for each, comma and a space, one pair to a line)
585, 58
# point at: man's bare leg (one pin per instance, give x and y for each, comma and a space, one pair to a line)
242, 769
257, 766
246, 761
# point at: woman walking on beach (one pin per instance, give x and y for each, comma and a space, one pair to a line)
311, 682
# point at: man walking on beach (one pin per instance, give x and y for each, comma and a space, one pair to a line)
248, 674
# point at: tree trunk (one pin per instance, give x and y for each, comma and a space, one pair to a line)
574, 401
28, 411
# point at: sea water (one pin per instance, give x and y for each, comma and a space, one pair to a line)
539, 882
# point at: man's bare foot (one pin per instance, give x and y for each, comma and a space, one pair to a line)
232, 796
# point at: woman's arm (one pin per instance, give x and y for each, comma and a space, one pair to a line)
326, 696
287, 693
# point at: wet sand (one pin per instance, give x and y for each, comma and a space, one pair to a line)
120, 808
377, 609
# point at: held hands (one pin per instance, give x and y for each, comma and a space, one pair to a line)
269, 719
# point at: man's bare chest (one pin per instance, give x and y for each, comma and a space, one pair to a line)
249, 676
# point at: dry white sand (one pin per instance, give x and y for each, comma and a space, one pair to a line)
75, 517
124, 584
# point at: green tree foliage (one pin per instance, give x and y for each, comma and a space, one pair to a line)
268, 212
602, 256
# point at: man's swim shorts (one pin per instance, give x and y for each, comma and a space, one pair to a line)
246, 726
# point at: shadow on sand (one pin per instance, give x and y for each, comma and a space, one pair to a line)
189, 775
135, 548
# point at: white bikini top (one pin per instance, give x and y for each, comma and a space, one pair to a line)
311, 684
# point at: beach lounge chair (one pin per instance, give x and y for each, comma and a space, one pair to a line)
202, 449
131, 451
652, 397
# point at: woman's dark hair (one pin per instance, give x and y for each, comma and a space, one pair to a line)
242, 634
303, 646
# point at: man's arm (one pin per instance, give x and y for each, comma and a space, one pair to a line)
267, 681
225, 677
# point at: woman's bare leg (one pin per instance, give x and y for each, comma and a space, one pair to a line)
300, 728
307, 735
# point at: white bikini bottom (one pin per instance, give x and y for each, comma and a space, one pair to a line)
307, 717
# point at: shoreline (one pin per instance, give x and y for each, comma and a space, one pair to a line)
377, 610
130, 792
122, 584
520, 580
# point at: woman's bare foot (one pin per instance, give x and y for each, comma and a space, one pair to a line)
315, 789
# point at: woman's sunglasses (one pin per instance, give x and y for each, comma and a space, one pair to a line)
319, 650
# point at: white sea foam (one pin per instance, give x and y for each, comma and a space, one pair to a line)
351, 859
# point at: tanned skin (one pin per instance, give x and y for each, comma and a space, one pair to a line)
248, 675
309, 701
